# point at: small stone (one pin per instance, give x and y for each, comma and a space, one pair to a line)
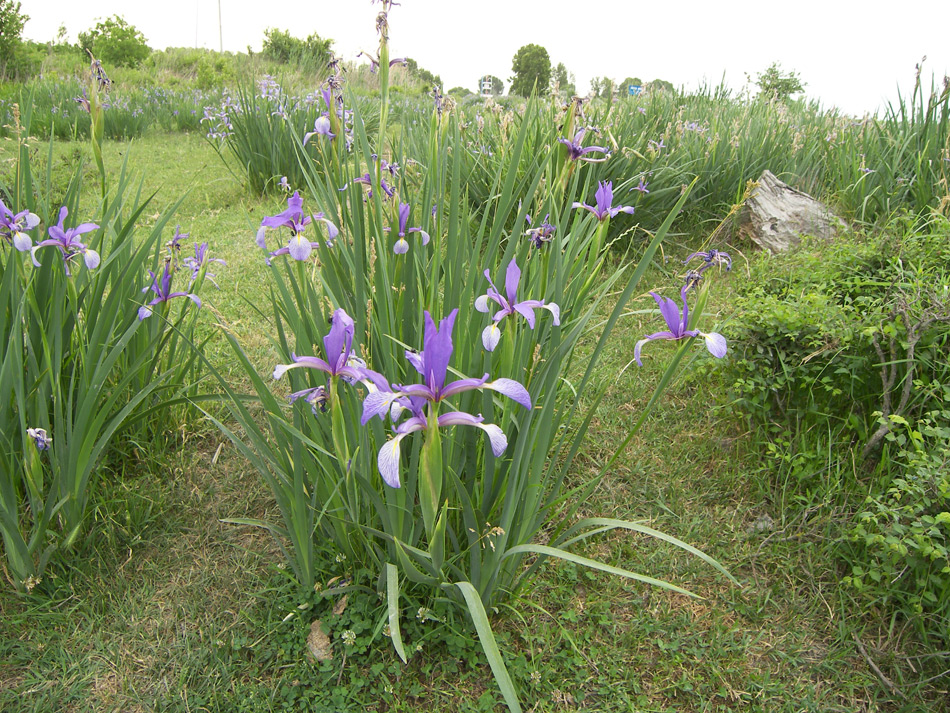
319, 647
763, 523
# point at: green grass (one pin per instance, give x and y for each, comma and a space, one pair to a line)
167, 608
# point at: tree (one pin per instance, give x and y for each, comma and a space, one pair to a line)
532, 68
602, 87
11, 27
563, 80
776, 85
115, 42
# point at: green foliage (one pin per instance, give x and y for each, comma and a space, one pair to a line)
115, 42
776, 85
422, 75
281, 46
602, 87
532, 67
12, 20
904, 532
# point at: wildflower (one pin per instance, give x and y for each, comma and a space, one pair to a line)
348, 637
99, 74
174, 245
42, 440
298, 247
432, 363
83, 102
710, 258
388, 190
316, 397
283, 185
402, 246
604, 198
641, 186
656, 146
12, 227
321, 127
575, 152
509, 305
162, 291
544, 233
201, 260
337, 346
677, 324
66, 241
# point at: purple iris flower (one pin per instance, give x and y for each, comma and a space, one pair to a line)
388, 190
12, 227
315, 396
42, 440
509, 305
604, 198
575, 152
432, 363
641, 186
321, 127
715, 343
298, 247
337, 346
67, 242
174, 245
656, 145
710, 258
402, 246
201, 260
544, 233
162, 290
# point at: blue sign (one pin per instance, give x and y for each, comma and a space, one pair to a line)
634, 89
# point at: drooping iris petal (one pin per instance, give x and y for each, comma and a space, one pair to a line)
299, 247
512, 389
716, 344
491, 335
22, 242
496, 437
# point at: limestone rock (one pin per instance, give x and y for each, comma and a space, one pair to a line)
775, 216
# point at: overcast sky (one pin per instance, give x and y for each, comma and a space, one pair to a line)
850, 54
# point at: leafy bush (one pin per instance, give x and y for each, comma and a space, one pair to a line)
839, 355
281, 46
11, 28
905, 531
115, 42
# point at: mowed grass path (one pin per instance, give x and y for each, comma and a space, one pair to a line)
164, 607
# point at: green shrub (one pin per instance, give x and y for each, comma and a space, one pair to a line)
905, 532
839, 365
115, 42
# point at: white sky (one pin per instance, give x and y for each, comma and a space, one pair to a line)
850, 54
